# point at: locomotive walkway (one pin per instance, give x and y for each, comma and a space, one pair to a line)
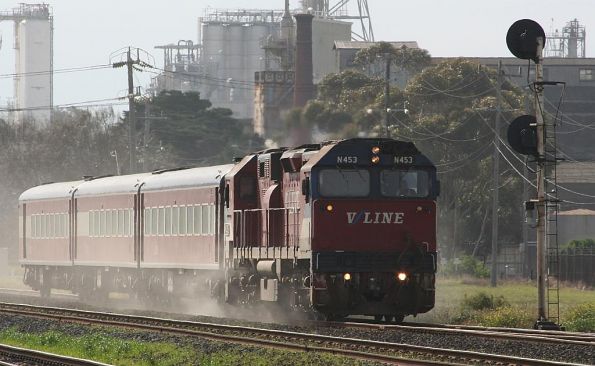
392, 353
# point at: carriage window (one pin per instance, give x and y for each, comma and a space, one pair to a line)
161, 220
147, 221
154, 221
190, 220
182, 226
167, 220
32, 226
212, 220
102, 223
344, 183
197, 220
108, 222
205, 220
175, 220
127, 218
404, 183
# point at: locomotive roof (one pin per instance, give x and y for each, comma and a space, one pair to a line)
50, 191
194, 177
117, 184
329, 150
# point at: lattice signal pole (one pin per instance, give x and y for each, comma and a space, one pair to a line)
527, 135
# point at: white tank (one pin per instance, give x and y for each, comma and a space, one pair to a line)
33, 91
233, 53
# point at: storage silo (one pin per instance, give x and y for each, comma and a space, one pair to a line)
33, 83
231, 53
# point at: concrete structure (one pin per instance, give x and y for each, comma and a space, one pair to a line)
33, 35
234, 45
273, 93
576, 225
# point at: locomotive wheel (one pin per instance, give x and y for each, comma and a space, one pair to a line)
378, 318
388, 318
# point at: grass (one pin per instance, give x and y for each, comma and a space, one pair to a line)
521, 296
101, 347
118, 349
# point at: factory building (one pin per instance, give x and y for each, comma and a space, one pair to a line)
245, 61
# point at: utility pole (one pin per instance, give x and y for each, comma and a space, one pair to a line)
495, 180
387, 93
131, 65
131, 113
146, 134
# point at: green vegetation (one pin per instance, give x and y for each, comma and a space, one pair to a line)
101, 347
581, 318
118, 349
468, 266
511, 304
580, 244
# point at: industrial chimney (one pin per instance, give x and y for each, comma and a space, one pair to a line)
304, 83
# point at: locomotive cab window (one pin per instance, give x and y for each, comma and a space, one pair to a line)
404, 183
344, 183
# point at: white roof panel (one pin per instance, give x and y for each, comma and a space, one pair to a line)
186, 178
50, 191
118, 184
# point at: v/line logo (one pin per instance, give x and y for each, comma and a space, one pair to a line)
368, 217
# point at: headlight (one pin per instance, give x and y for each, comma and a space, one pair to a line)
347, 277
402, 276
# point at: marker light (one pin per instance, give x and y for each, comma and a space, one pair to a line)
375, 159
375, 150
402, 276
347, 277
419, 208
329, 207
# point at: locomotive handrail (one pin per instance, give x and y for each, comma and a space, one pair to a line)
245, 228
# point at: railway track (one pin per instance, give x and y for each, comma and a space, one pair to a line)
14, 356
558, 337
392, 353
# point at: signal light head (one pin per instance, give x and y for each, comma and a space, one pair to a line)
402, 276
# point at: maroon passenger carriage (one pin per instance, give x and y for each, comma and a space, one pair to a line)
344, 227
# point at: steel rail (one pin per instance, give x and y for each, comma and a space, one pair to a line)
17, 354
557, 337
359, 348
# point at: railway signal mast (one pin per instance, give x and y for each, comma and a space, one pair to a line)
528, 135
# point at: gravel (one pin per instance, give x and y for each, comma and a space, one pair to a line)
582, 354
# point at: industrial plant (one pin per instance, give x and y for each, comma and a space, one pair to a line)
33, 44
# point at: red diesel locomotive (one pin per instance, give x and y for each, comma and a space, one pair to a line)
342, 228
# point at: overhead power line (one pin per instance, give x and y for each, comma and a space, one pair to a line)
56, 71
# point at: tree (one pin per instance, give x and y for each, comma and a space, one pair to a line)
186, 127
408, 60
452, 107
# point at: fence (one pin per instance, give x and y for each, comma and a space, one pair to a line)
577, 265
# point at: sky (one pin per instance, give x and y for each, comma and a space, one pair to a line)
87, 32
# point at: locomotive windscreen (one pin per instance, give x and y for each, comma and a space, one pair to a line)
404, 183
344, 183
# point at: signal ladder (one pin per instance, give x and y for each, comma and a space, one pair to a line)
552, 207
